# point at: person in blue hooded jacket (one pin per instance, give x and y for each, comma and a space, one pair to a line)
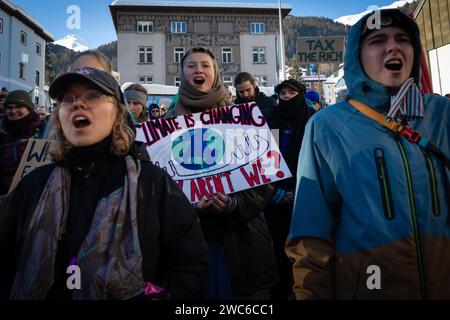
371, 213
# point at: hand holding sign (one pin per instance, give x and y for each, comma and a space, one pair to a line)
220, 203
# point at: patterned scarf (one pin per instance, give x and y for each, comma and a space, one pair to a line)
407, 104
110, 257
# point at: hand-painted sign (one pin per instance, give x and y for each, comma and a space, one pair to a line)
320, 50
34, 156
221, 150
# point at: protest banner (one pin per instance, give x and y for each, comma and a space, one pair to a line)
221, 150
320, 50
34, 156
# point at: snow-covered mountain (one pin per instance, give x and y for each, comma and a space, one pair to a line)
352, 19
74, 42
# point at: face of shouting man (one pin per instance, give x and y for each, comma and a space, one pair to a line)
387, 56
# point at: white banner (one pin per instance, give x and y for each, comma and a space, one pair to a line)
222, 150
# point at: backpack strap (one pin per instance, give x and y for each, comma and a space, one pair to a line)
403, 130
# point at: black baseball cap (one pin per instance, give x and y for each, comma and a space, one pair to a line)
101, 79
291, 83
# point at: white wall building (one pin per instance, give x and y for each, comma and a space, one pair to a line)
329, 86
22, 51
433, 19
152, 36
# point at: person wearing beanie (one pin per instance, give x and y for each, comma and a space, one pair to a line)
122, 220
314, 97
19, 124
136, 96
372, 207
290, 119
154, 111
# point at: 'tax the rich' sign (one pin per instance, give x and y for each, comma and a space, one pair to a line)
320, 50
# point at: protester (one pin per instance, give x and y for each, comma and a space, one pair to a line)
240, 248
314, 97
162, 109
247, 91
290, 119
42, 114
122, 221
136, 96
18, 125
371, 213
97, 60
154, 111
3, 95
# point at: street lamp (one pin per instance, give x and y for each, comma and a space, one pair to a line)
280, 18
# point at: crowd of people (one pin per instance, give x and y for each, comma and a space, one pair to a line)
370, 187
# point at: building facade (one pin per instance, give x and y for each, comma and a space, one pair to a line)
153, 36
315, 83
22, 51
433, 19
332, 84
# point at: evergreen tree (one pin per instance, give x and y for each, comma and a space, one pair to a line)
294, 71
49, 58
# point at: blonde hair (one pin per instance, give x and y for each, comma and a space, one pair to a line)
122, 135
101, 58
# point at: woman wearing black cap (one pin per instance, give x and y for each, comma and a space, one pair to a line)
290, 119
120, 220
19, 124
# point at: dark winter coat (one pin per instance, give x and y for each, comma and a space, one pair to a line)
172, 244
13, 142
266, 104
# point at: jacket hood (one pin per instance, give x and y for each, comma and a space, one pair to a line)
360, 86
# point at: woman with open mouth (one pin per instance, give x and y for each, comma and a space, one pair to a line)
100, 222
242, 264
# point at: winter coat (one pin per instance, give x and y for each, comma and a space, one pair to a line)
12, 147
245, 237
174, 253
266, 104
371, 214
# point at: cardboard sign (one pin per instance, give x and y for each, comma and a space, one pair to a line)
320, 50
34, 156
225, 150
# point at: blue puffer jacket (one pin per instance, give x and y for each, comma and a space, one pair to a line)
371, 215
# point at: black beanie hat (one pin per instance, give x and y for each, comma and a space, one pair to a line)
19, 97
291, 83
